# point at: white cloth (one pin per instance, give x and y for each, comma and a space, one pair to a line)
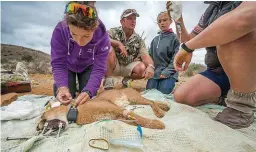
20, 110
176, 8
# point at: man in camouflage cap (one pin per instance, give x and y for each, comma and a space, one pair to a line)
128, 56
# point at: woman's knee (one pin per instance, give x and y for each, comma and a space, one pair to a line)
193, 99
166, 86
179, 96
185, 97
152, 84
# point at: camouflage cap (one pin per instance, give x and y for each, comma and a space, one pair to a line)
129, 12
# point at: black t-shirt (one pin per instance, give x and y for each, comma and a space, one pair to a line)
213, 12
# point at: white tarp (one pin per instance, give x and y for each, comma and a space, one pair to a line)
188, 129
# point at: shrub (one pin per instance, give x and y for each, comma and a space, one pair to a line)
27, 58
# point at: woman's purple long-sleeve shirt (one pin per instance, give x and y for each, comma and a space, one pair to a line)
67, 54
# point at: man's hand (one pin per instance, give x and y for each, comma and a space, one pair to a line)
168, 6
63, 95
149, 72
162, 76
174, 9
180, 58
82, 98
122, 49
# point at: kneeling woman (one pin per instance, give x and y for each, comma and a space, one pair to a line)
79, 49
162, 50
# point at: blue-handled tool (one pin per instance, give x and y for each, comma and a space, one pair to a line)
139, 130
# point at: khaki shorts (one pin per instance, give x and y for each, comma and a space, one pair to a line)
125, 71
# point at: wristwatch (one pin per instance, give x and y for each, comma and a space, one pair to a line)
184, 47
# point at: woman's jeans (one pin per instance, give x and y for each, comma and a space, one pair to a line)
83, 78
163, 85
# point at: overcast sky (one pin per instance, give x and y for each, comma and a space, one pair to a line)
30, 24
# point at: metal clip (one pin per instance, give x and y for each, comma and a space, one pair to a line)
60, 127
45, 126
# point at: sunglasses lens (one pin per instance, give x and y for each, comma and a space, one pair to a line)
70, 8
87, 11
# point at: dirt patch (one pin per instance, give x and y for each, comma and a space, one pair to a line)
41, 84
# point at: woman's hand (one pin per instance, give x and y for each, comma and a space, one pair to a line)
82, 98
163, 76
63, 95
180, 58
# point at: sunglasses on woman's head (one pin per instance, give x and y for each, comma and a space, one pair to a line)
75, 7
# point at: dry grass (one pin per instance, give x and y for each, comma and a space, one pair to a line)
193, 69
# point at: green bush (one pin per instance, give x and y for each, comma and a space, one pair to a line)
27, 58
4, 60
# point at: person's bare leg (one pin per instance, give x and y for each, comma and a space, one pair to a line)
138, 71
198, 90
111, 64
238, 61
108, 82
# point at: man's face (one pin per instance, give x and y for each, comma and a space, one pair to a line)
129, 22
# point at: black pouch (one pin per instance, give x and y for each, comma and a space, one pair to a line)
72, 115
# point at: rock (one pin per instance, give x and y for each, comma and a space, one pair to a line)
44, 67
8, 98
21, 70
31, 66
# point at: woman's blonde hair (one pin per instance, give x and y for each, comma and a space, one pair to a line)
164, 12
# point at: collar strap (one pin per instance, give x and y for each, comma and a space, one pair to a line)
184, 47
72, 114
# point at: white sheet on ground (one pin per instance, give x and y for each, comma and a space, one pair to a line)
188, 129
21, 109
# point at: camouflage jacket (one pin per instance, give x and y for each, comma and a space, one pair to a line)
135, 45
